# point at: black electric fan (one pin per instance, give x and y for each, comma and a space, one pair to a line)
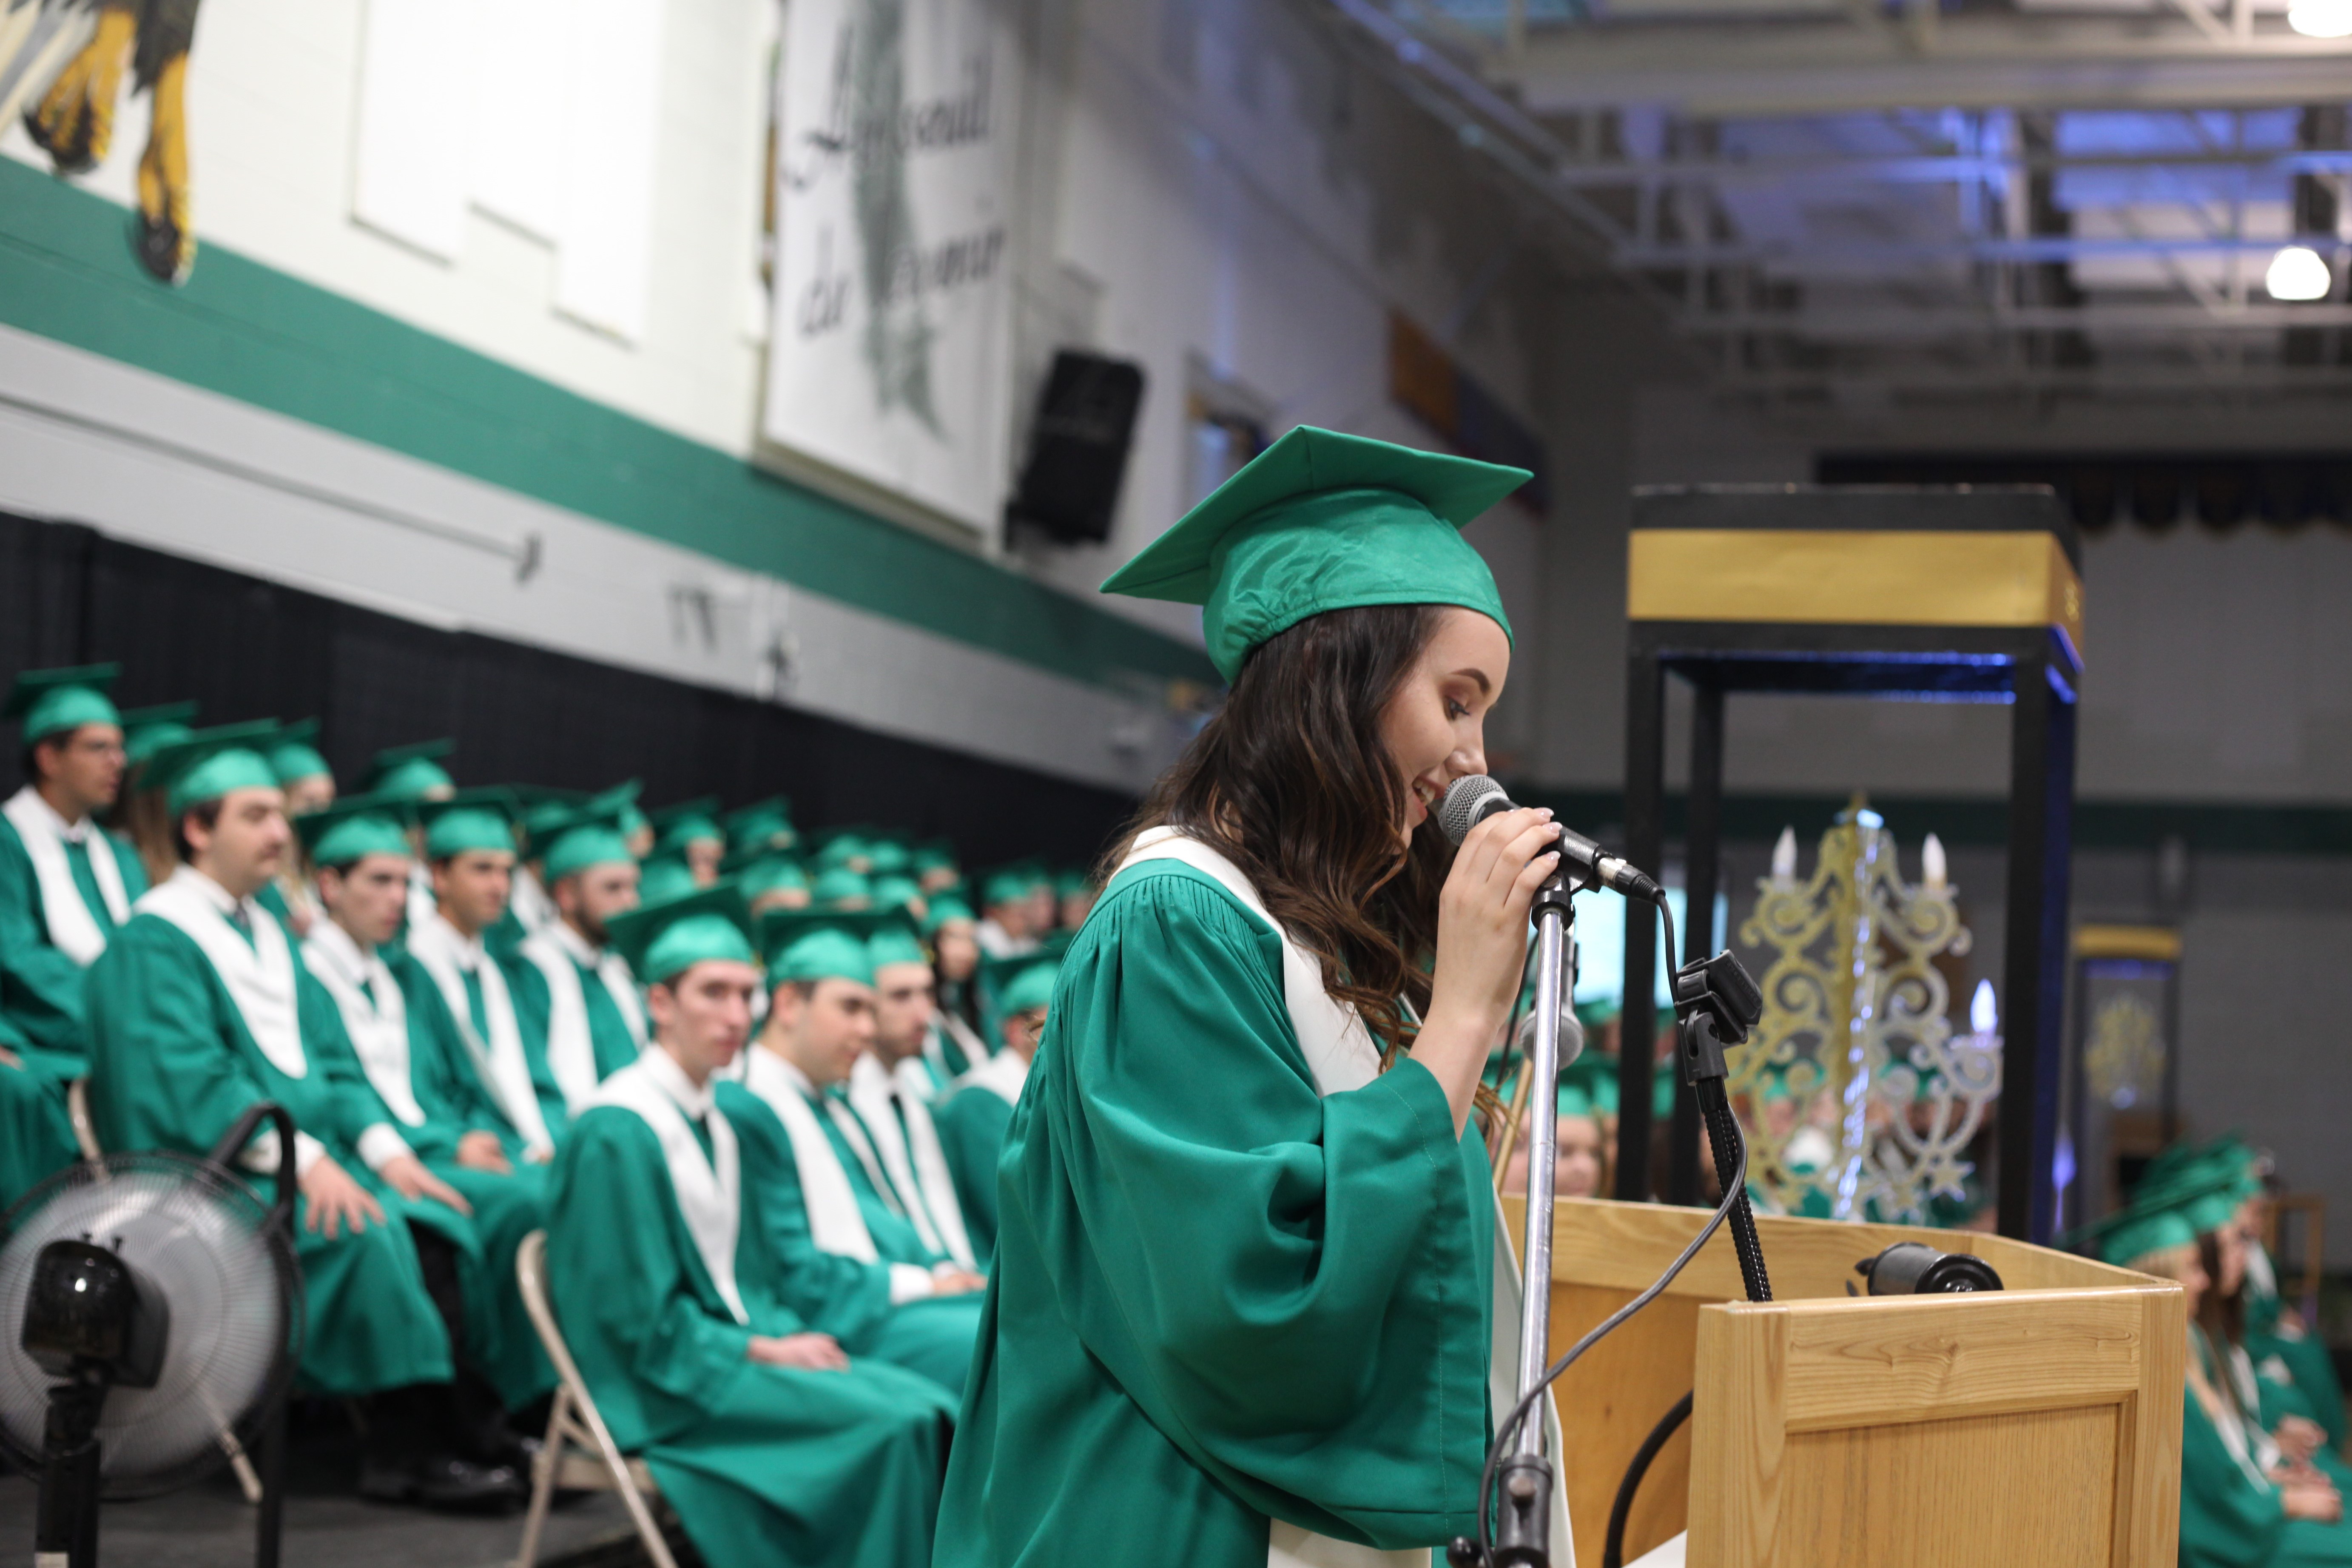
151, 1317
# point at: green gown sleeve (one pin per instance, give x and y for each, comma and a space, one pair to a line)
835, 1295
2226, 1520
1291, 1286
40, 987
161, 1077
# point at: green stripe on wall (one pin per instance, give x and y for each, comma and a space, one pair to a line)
250, 332
2214, 828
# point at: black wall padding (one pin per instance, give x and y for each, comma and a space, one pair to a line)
246, 649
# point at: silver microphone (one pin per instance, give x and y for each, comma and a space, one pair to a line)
1472, 800
1572, 1033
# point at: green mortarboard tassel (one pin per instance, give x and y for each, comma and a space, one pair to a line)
354, 828
209, 763
1317, 522
294, 757
411, 772
662, 941
469, 821
804, 946
51, 701
147, 731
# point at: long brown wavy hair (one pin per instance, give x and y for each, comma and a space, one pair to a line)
1292, 783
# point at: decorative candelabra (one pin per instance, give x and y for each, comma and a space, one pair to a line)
1859, 1100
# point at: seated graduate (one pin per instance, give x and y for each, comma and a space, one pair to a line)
853, 1264
890, 1086
197, 1010
774, 1448
690, 831
972, 1120
137, 819
579, 997
1009, 924
310, 785
2274, 1337
469, 844
421, 1071
413, 772
957, 1044
66, 885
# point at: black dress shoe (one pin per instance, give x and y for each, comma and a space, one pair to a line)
444, 1482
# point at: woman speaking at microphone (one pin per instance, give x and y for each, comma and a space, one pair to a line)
1240, 1310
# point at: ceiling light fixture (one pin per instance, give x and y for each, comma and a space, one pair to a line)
2321, 19
2297, 273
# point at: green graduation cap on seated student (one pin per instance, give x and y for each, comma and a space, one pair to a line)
804, 946
213, 762
896, 940
585, 837
468, 821
1322, 521
663, 940
295, 755
946, 909
762, 825
665, 878
843, 849
354, 828
934, 855
146, 730
688, 821
412, 773
842, 889
51, 701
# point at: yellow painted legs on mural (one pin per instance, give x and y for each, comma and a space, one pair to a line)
167, 226
74, 122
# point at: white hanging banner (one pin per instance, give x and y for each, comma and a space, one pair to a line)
888, 350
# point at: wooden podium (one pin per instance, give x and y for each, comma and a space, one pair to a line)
2037, 1427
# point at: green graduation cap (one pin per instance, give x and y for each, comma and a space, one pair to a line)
1318, 521
354, 828
888, 857
411, 772
470, 820
843, 849
1011, 884
146, 730
543, 810
1594, 1076
587, 836
895, 941
662, 941
2124, 1238
665, 878
51, 701
762, 825
1072, 881
896, 890
762, 870
295, 756
803, 946
842, 889
211, 762
940, 910
1027, 983
937, 855
688, 821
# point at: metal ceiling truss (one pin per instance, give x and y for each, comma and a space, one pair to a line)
1837, 197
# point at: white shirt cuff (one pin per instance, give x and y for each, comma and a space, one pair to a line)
380, 1145
908, 1282
260, 1156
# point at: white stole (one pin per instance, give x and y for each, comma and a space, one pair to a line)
529, 902
378, 1029
1340, 1052
571, 1045
911, 1155
72, 928
1003, 1075
835, 1223
505, 1069
975, 1050
709, 1191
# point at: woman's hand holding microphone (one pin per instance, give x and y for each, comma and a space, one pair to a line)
1482, 943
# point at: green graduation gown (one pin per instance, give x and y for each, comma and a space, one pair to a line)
174, 1062
2270, 1331
876, 1304
36, 1132
767, 1467
580, 1008
40, 978
489, 1007
972, 1121
1220, 1296
413, 1063
2231, 1516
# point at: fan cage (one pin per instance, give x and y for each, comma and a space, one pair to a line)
167, 1200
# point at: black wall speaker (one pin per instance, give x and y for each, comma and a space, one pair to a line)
1077, 452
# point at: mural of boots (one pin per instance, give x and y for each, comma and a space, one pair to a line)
74, 121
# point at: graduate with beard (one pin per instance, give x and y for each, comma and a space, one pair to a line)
777, 1449
578, 996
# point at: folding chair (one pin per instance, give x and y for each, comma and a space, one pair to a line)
572, 1426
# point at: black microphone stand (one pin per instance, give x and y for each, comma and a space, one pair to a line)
1523, 1519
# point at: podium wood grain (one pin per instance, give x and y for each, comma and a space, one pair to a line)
2038, 1426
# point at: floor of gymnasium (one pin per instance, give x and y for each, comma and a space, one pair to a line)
210, 1526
